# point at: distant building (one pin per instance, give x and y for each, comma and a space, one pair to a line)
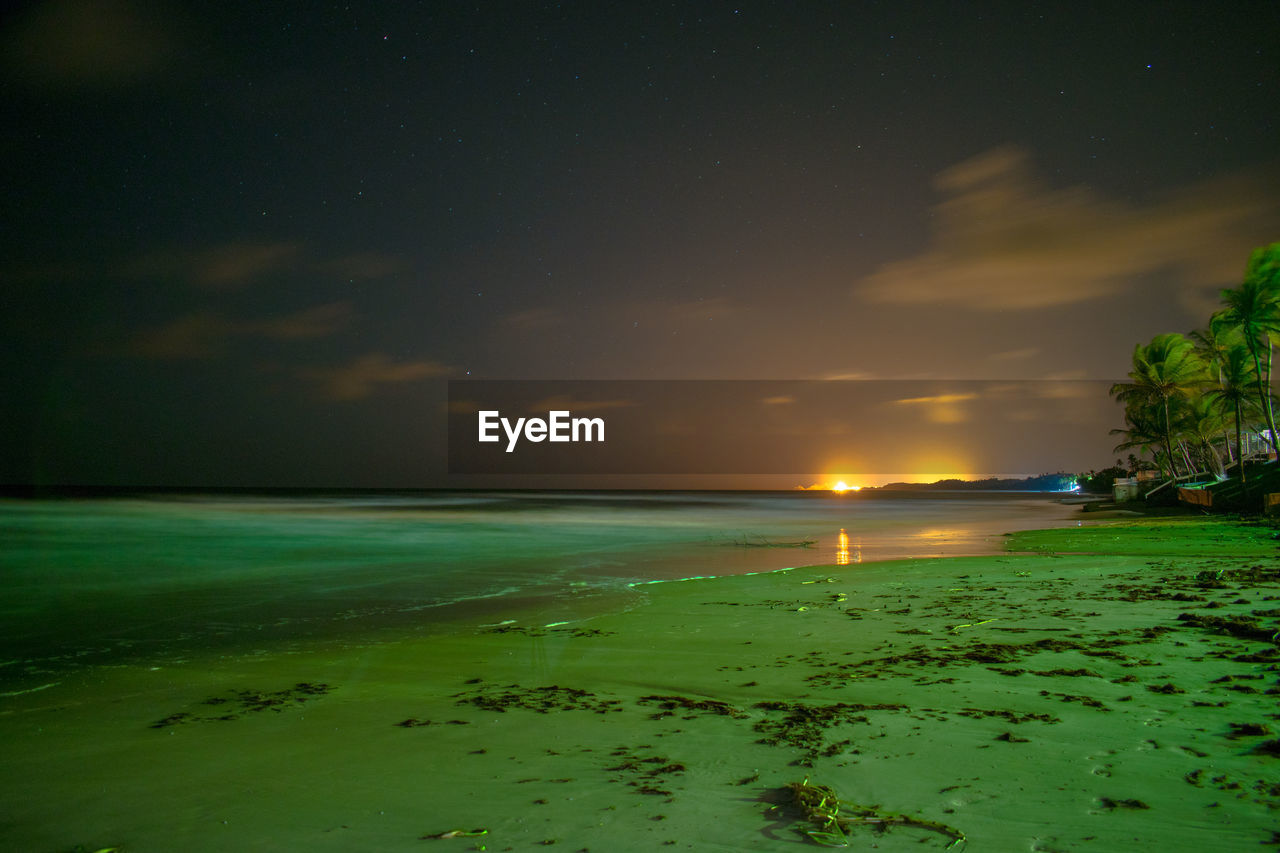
1125, 489
1132, 488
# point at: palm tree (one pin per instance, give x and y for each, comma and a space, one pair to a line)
1214, 340
1167, 367
1254, 307
1233, 392
1199, 421
1213, 343
1264, 266
1181, 390
1144, 431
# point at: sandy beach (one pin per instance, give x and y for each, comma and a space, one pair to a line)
1101, 688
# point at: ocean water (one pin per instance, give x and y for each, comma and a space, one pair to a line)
150, 578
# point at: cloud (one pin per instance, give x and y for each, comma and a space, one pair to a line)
205, 334
235, 265
781, 400
942, 408
939, 399
462, 407
362, 377
1005, 240
224, 267
96, 44
197, 335
567, 403
318, 322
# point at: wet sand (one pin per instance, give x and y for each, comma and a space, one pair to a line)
1113, 690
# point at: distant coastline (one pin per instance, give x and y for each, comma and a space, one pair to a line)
1059, 482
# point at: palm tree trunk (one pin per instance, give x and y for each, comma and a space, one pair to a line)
1226, 434
1271, 418
1186, 456
1168, 442
1239, 448
1264, 396
1215, 459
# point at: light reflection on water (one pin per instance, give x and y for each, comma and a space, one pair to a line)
941, 535
845, 555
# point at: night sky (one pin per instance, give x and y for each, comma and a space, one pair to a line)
247, 243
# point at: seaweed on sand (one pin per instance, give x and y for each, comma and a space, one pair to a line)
540, 699
833, 817
235, 704
804, 726
1110, 804
1237, 626
671, 704
1267, 747
648, 772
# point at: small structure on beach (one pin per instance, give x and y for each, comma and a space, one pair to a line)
1125, 489
1135, 487
1196, 494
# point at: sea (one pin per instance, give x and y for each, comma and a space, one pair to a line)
150, 577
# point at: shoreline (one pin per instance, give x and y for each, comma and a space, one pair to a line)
111, 582
1029, 700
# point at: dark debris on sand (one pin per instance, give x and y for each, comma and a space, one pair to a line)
691, 708
1110, 804
647, 774
543, 700
1237, 626
1239, 730
804, 726
235, 704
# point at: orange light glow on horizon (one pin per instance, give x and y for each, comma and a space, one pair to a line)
928, 471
